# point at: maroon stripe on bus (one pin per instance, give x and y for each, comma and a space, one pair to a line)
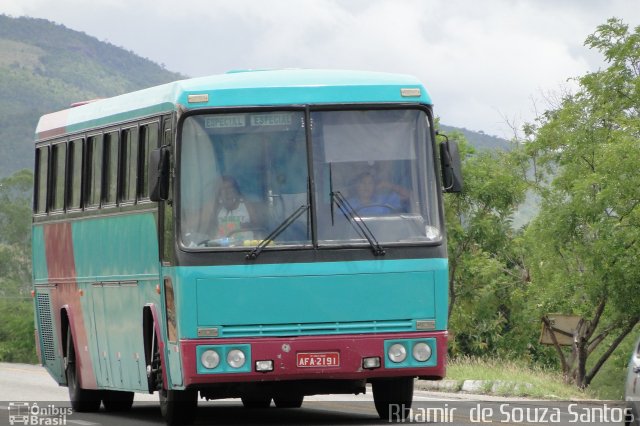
51, 133
62, 271
59, 250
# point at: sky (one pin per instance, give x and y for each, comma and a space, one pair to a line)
488, 65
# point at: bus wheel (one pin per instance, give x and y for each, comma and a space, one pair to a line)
81, 399
393, 397
256, 401
178, 407
153, 366
288, 400
117, 400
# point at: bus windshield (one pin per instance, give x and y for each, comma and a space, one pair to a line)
379, 163
242, 175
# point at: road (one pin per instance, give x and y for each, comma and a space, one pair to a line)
32, 385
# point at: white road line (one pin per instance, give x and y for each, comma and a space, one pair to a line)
430, 398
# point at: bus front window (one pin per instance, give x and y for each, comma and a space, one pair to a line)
241, 175
374, 168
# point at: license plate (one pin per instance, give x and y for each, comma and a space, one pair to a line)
318, 359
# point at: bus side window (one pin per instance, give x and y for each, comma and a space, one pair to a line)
75, 174
110, 186
148, 142
59, 169
94, 171
129, 164
42, 169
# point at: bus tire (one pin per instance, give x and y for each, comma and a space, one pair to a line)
82, 400
256, 402
153, 362
117, 400
288, 400
393, 397
178, 407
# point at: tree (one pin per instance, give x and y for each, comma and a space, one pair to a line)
16, 306
585, 243
484, 268
15, 235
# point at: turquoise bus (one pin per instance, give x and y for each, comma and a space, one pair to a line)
263, 235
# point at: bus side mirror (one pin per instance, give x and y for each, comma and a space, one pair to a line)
451, 167
159, 174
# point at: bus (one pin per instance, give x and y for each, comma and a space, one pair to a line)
263, 235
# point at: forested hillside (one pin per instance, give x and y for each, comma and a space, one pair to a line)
479, 140
45, 67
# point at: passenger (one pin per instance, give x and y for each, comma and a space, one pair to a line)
372, 199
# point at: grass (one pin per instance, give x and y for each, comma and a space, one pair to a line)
512, 378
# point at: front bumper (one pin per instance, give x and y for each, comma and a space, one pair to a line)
283, 351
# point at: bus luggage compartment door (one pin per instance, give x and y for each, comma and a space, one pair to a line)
120, 349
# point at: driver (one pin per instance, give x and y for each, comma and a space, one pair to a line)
371, 199
233, 213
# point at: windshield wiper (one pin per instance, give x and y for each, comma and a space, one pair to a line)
356, 221
279, 229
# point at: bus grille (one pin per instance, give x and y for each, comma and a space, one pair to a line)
46, 327
316, 328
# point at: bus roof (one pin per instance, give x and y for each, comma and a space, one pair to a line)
238, 88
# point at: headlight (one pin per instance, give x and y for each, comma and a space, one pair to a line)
210, 359
421, 352
236, 358
397, 353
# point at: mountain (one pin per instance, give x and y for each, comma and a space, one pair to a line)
46, 67
479, 140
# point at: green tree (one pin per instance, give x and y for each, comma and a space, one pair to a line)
484, 267
585, 243
15, 235
16, 306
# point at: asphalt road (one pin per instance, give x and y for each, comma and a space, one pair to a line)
28, 389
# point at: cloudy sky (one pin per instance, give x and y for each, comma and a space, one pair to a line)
486, 63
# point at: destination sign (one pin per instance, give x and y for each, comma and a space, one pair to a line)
280, 119
224, 121
228, 121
